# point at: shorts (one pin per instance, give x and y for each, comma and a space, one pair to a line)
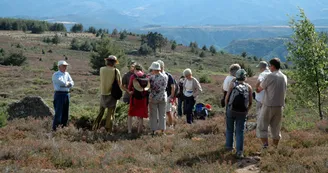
107, 101
269, 116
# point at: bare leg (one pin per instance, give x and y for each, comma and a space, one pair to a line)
169, 115
140, 125
129, 124
265, 141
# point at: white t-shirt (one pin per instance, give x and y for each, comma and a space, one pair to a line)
262, 76
226, 83
189, 88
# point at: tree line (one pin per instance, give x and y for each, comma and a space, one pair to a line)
35, 26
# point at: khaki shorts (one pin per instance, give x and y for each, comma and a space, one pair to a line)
107, 101
269, 116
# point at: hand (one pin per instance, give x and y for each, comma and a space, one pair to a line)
130, 92
68, 84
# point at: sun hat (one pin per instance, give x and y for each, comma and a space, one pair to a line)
112, 57
155, 66
161, 63
136, 83
62, 62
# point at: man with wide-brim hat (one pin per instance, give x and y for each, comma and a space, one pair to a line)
107, 77
157, 98
138, 89
62, 83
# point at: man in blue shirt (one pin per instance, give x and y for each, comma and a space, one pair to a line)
62, 82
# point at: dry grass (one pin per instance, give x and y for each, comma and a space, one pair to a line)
27, 145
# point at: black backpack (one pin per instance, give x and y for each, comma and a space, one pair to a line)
179, 89
143, 82
239, 98
116, 92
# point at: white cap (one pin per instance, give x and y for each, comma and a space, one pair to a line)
62, 63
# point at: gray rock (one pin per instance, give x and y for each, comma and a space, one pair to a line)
33, 106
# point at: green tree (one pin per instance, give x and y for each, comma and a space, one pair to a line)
105, 48
77, 28
54, 67
115, 32
154, 40
213, 50
204, 48
308, 53
244, 54
202, 54
174, 45
75, 45
123, 35
15, 59
145, 49
92, 30
255, 58
56, 39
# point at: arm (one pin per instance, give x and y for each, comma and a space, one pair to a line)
58, 80
264, 84
70, 80
250, 90
257, 87
228, 94
125, 85
172, 90
130, 87
198, 88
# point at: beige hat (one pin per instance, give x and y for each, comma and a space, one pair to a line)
263, 64
112, 57
62, 63
155, 66
138, 87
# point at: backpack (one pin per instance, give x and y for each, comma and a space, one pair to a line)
239, 98
179, 89
116, 91
143, 82
200, 111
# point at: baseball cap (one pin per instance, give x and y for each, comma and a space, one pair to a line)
241, 74
263, 64
62, 62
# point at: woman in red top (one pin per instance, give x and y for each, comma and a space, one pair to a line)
138, 90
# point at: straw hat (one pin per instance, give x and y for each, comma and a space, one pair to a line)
137, 85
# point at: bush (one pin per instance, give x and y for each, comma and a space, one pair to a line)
75, 44
54, 67
105, 48
15, 59
202, 54
86, 46
3, 116
56, 40
205, 79
145, 49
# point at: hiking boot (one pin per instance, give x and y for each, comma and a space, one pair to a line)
239, 155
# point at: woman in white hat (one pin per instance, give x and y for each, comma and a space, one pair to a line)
138, 90
157, 98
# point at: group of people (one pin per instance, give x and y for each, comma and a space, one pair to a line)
150, 94
269, 94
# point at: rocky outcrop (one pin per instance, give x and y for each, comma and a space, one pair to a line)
33, 106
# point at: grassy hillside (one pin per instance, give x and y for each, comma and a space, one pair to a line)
27, 145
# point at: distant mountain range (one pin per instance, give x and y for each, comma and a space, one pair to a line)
137, 13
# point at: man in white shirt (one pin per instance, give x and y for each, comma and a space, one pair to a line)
226, 83
264, 69
62, 83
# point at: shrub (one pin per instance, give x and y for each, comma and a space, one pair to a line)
145, 49
56, 40
202, 54
3, 116
15, 59
86, 46
54, 67
105, 48
205, 79
75, 44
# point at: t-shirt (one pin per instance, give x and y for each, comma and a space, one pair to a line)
226, 83
189, 88
262, 76
158, 85
107, 78
169, 83
275, 87
125, 81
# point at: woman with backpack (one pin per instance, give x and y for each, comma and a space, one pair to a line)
191, 91
138, 90
238, 101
